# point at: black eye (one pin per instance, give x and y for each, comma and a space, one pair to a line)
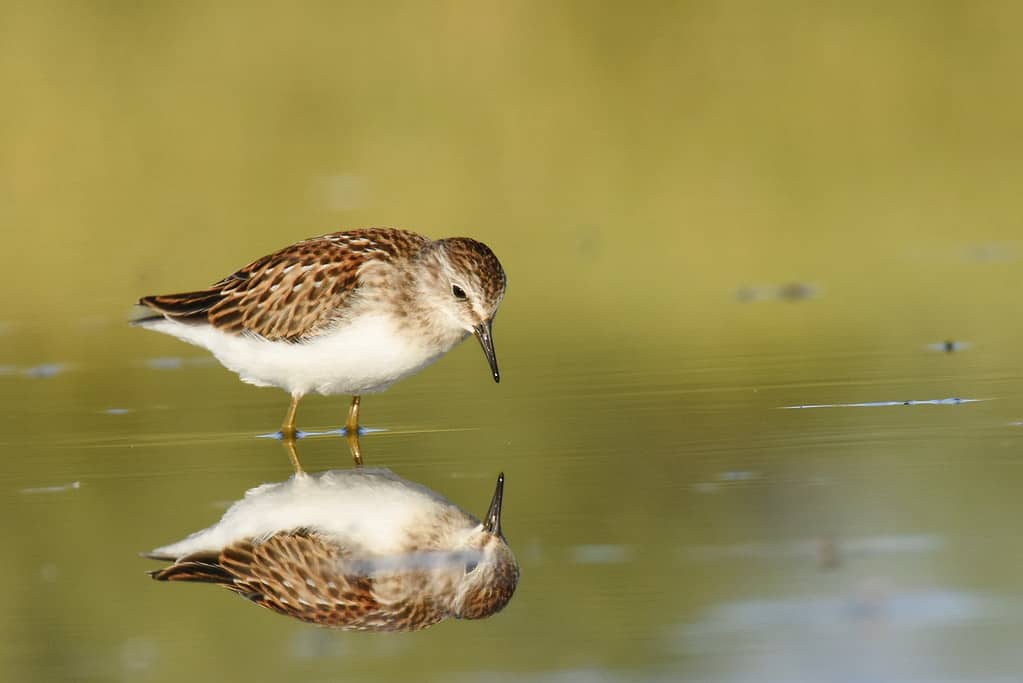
458, 292
470, 565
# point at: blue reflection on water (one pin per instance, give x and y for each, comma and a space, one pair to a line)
953, 401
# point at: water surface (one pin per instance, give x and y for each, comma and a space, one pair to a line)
707, 215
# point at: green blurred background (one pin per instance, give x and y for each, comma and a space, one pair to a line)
638, 168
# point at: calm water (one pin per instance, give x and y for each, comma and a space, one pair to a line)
709, 219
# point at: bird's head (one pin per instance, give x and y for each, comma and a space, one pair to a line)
490, 571
465, 283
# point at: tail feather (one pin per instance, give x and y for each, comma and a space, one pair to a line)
201, 569
186, 307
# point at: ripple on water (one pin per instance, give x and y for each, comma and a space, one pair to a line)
60, 488
873, 631
600, 554
45, 370
952, 401
177, 362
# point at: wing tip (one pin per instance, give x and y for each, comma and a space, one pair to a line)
142, 313
185, 307
201, 568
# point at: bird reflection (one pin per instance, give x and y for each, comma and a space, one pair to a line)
359, 549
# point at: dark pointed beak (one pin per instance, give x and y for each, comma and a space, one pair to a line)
492, 522
484, 333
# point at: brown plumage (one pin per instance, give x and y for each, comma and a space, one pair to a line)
450, 564
301, 575
292, 293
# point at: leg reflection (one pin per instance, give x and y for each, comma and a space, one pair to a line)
352, 437
291, 448
292, 451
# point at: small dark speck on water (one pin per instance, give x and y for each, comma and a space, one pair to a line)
797, 291
789, 291
949, 346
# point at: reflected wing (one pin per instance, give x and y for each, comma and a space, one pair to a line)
291, 294
305, 575
297, 573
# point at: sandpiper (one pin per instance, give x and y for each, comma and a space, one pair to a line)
345, 313
358, 549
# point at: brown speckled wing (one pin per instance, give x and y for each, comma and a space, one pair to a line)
299, 574
293, 293
303, 575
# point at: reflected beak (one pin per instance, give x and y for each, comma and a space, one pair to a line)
492, 522
485, 335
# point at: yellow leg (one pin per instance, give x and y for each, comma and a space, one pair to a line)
352, 425
288, 430
292, 450
352, 431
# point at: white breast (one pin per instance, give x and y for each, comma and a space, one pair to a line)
365, 355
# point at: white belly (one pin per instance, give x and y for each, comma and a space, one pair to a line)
364, 356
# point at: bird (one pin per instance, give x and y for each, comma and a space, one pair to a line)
349, 312
356, 549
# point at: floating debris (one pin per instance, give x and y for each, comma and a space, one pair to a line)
117, 411
176, 362
73, 486
738, 475
45, 370
949, 346
789, 291
600, 554
881, 404
797, 291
